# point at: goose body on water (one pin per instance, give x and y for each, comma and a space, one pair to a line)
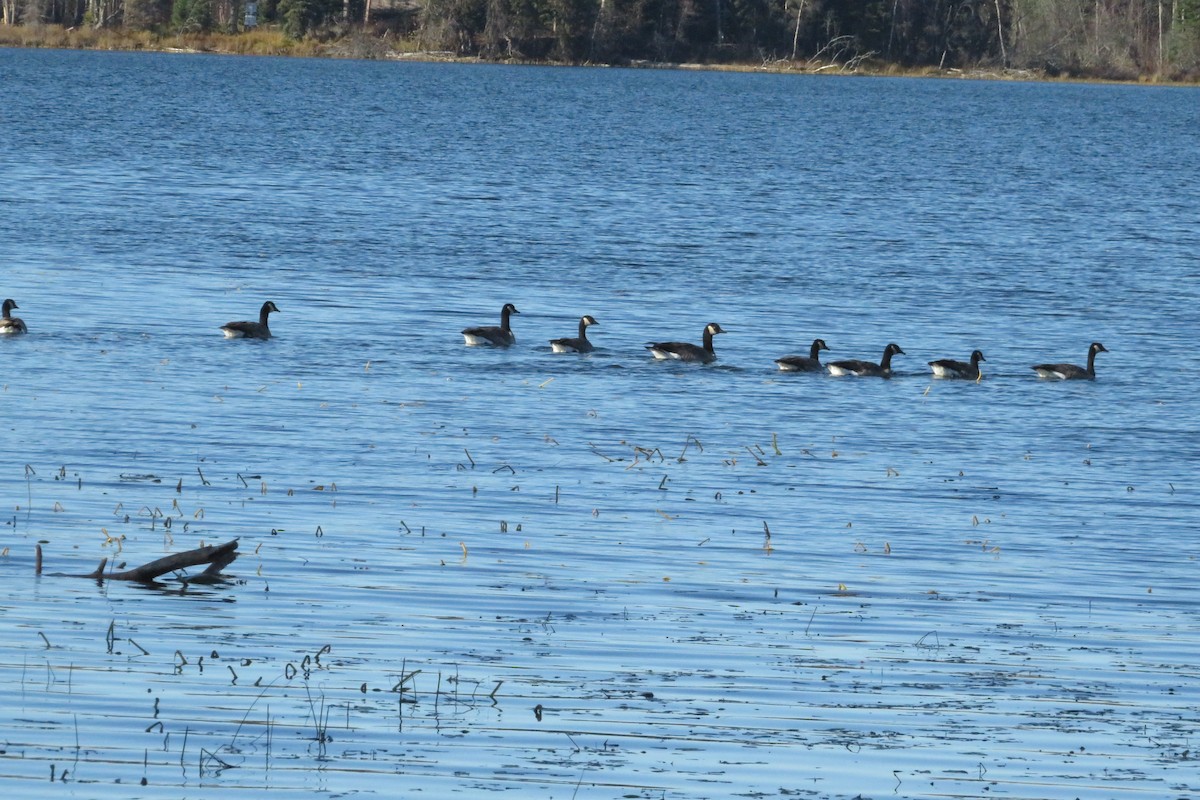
868, 368
251, 330
809, 363
10, 324
1069, 372
686, 351
577, 344
949, 368
493, 335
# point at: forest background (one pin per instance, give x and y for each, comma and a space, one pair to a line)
1152, 40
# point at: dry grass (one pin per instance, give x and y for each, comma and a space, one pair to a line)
263, 42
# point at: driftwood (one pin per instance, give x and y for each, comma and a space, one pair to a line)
217, 556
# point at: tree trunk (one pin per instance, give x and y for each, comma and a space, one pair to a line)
892, 29
1000, 34
216, 556
1161, 56
796, 32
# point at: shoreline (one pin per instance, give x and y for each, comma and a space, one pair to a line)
268, 42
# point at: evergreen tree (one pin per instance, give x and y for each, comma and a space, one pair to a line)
192, 16
301, 17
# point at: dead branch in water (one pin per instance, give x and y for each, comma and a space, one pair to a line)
216, 556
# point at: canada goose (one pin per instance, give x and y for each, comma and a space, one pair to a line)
1068, 372
251, 330
686, 351
578, 344
868, 368
949, 368
809, 363
495, 335
10, 324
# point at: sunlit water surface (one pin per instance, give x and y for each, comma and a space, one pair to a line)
470, 571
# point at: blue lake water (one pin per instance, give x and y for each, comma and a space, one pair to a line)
467, 570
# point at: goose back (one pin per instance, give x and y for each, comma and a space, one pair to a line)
868, 368
251, 330
576, 344
686, 351
8, 323
949, 368
809, 363
493, 335
1072, 372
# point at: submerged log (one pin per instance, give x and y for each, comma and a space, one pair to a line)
217, 556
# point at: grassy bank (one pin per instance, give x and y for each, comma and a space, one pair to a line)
264, 41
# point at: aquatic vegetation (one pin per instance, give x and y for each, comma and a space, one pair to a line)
361, 661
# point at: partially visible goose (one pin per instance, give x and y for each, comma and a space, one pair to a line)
494, 335
578, 344
1070, 372
686, 351
10, 324
251, 330
949, 368
868, 368
809, 363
